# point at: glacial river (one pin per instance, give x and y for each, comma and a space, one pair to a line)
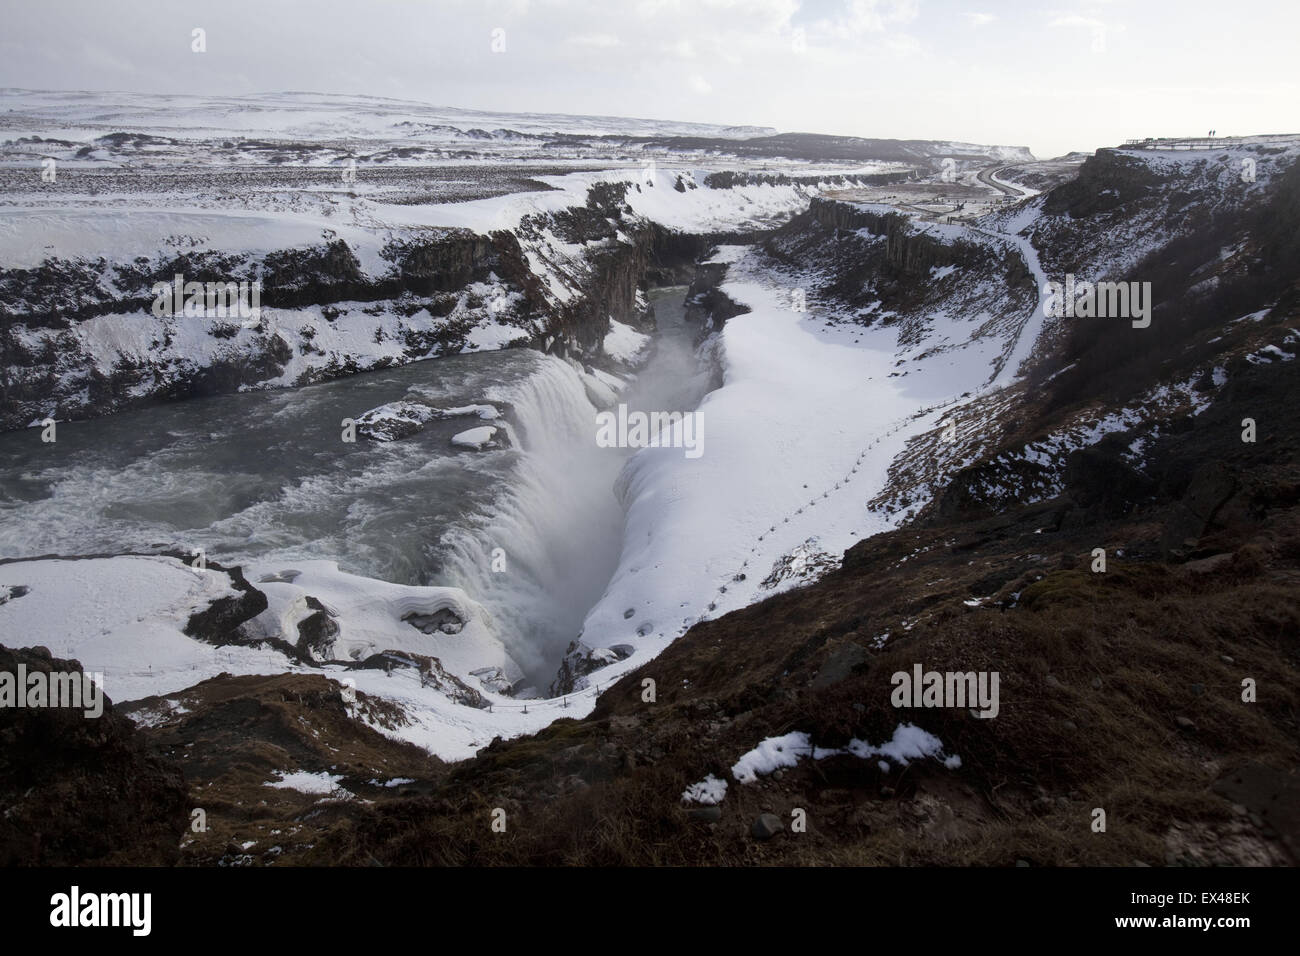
265, 476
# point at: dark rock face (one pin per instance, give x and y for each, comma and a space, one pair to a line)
443, 264
316, 632
1211, 486
991, 486
580, 660
423, 284
906, 251
219, 623
1098, 478
708, 305
444, 621
673, 256
295, 277
432, 674
394, 421
79, 790
1106, 181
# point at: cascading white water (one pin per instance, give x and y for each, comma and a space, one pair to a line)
264, 477
557, 523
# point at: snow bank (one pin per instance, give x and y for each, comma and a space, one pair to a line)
124, 617
908, 743
305, 782
624, 343
476, 438
709, 791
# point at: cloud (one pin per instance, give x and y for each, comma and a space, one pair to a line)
874, 16
599, 40
700, 85
980, 19
1074, 20
98, 57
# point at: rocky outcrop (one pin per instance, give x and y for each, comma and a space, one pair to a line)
557, 277
220, 622
706, 304
906, 251
317, 632
432, 674
82, 790
580, 660
1107, 180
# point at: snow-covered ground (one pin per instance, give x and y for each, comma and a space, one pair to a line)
800, 435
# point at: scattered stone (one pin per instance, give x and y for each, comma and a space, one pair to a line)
444, 620
1226, 659
1198, 689
1096, 683
394, 421
766, 826
839, 665
1185, 723
1022, 862
1052, 682
12, 591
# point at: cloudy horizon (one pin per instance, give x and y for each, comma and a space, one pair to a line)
1052, 78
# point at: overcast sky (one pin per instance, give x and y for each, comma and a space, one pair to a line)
1054, 76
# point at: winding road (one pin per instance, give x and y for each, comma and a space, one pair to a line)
987, 177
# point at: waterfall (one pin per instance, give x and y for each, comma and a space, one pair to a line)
557, 523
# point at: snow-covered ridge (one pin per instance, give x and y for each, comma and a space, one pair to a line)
322, 116
387, 251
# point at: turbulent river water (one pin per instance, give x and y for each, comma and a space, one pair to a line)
265, 476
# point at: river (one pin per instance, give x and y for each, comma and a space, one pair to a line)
264, 477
